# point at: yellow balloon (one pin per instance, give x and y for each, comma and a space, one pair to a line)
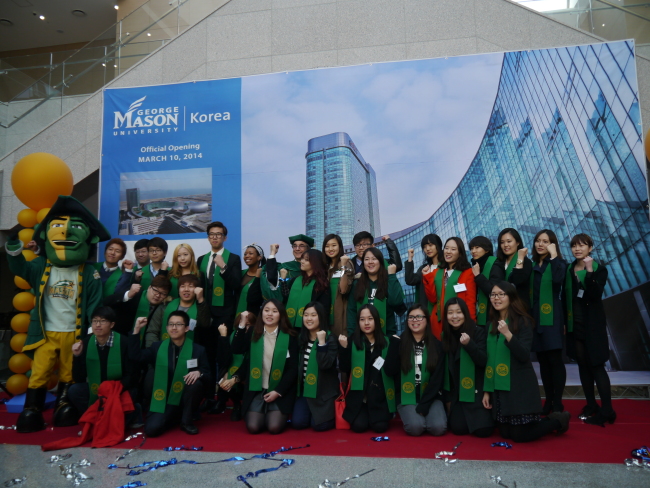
53, 381
29, 254
17, 384
41, 214
20, 322
20, 363
20, 283
17, 342
27, 217
26, 235
23, 301
39, 178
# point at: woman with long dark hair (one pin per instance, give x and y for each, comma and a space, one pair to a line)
487, 271
453, 278
311, 286
269, 369
250, 294
549, 274
340, 272
432, 249
318, 381
587, 329
512, 254
465, 352
378, 286
416, 363
510, 384
371, 399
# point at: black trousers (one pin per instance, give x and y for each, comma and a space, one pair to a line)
79, 394
157, 423
553, 373
363, 422
458, 423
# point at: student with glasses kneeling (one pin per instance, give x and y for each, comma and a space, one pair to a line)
510, 384
370, 402
416, 363
318, 379
463, 343
269, 369
178, 376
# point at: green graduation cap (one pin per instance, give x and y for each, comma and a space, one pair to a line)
302, 237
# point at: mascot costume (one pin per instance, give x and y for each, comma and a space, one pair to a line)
67, 290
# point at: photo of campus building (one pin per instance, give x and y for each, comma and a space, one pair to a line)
160, 212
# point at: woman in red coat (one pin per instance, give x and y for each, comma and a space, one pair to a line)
453, 278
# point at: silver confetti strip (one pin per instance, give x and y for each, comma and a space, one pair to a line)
637, 463
443, 455
334, 484
132, 436
497, 480
15, 481
8, 427
59, 458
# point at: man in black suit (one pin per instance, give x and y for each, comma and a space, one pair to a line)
221, 274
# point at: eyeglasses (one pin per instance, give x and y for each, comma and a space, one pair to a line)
215, 235
497, 295
362, 245
158, 293
299, 246
416, 318
176, 326
155, 250
100, 322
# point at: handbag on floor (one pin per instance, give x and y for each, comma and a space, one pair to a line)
339, 408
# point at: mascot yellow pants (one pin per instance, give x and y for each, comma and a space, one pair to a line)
57, 346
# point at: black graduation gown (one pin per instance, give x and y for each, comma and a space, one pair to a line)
414, 278
520, 277
476, 415
80, 372
232, 284
549, 337
523, 397
373, 388
322, 407
497, 273
287, 386
592, 316
431, 392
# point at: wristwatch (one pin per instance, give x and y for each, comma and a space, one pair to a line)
520, 261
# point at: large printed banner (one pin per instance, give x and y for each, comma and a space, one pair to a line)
171, 161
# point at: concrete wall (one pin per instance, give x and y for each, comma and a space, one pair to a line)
247, 37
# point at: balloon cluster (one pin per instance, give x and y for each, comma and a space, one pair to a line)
37, 180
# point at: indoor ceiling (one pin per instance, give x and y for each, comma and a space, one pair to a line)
60, 26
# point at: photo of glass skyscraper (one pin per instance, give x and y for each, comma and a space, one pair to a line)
341, 189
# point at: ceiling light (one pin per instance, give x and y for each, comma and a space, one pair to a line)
78, 13
116, 7
42, 17
148, 34
114, 66
603, 25
104, 64
6, 22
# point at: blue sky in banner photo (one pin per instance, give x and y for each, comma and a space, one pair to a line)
418, 123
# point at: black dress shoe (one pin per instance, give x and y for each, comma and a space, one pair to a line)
588, 411
236, 415
600, 418
218, 408
190, 429
563, 418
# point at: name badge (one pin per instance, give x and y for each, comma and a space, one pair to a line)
192, 324
379, 362
581, 292
460, 287
338, 274
90, 329
192, 363
418, 359
288, 355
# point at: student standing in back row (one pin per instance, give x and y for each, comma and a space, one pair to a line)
432, 249
518, 267
487, 271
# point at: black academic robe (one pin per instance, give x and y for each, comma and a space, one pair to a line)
520, 277
549, 337
224, 314
322, 407
80, 372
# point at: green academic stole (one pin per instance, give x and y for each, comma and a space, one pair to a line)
145, 279
311, 378
158, 402
242, 304
172, 307
113, 278
293, 267
217, 280
277, 364
113, 365
545, 296
358, 374
467, 376
237, 360
568, 289
380, 305
142, 311
299, 296
511, 265
408, 379
498, 360
481, 317
334, 288
174, 291
449, 289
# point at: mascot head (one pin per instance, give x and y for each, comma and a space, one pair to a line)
69, 232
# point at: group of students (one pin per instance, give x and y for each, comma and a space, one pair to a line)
283, 340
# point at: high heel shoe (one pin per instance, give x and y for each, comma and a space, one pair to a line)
588, 411
600, 418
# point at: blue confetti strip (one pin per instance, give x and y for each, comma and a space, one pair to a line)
285, 464
133, 484
183, 448
380, 439
502, 444
641, 453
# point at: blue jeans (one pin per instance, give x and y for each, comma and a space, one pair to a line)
302, 417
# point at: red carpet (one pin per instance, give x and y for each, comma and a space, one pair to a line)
582, 443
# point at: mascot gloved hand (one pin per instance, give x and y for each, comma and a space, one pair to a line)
67, 291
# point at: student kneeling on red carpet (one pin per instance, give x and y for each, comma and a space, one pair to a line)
176, 381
